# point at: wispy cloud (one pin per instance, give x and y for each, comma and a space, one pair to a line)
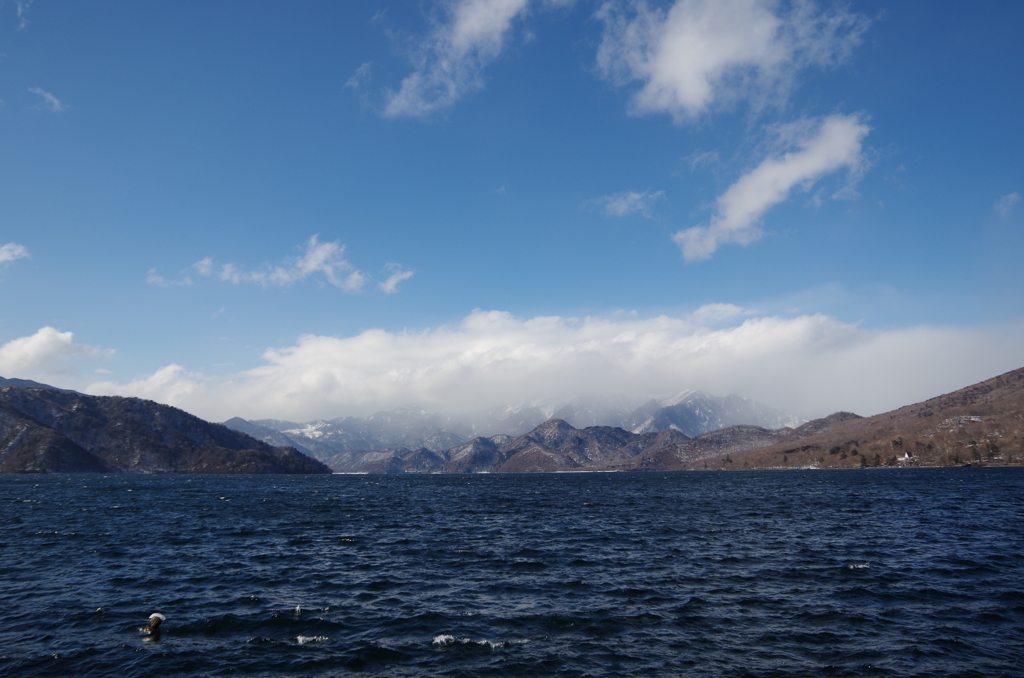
21, 8
359, 77
398, 274
12, 252
714, 314
818, 148
153, 279
203, 266
1005, 204
450, 61
628, 202
699, 159
49, 101
704, 53
323, 258
356, 82
492, 358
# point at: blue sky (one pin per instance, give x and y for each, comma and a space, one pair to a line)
317, 209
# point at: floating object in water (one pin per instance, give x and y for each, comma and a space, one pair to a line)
858, 566
153, 626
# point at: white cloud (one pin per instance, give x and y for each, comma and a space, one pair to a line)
1005, 204
825, 146
703, 53
50, 101
359, 77
153, 279
713, 314
811, 365
451, 60
390, 286
204, 266
326, 258
170, 385
12, 252
43, 353
698, 159
628, 202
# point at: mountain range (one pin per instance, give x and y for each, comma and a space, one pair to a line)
43, 429
981, 424
689, 412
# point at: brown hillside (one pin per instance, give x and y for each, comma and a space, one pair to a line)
978, 425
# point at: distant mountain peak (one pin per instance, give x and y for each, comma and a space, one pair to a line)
698, 427
681, 397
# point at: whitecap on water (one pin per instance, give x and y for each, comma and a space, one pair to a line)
306, 640
445, 640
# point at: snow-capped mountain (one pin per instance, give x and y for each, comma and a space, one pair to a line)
696, 412
690, 412
596, 411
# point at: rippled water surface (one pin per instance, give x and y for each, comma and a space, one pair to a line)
916, 572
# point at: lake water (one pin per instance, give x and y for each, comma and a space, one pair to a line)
915, 572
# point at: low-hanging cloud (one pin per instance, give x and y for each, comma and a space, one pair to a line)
44, 353
818, 148
811, 365
703, 53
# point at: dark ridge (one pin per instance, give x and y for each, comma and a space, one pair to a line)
45, 430
27, 383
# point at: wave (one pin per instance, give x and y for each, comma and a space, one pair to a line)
447, 640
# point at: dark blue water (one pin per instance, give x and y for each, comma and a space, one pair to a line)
916, 572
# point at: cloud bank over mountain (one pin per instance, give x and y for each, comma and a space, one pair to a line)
304, 229
810, 365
